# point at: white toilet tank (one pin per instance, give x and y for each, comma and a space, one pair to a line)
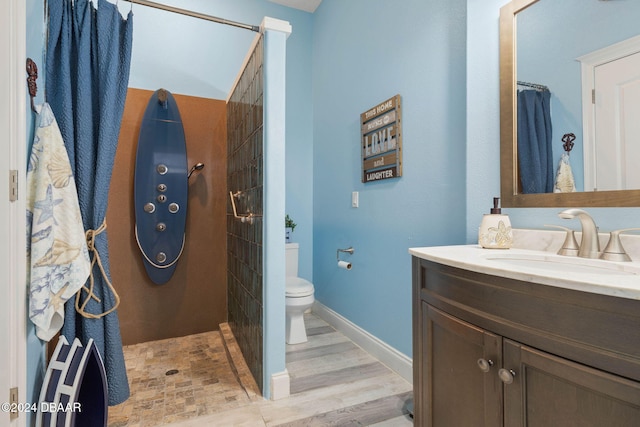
291, 259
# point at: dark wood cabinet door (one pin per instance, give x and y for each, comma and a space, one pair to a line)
552, 391
459, 377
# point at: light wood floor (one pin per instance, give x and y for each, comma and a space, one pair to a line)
333, 383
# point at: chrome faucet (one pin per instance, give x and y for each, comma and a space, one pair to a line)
590, 244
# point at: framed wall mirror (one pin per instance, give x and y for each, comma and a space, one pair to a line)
562, 102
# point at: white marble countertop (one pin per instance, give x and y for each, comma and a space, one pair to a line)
542, 265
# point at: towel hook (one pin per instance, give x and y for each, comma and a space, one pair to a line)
32, 71
568, 139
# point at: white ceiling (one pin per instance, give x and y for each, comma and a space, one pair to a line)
306, 5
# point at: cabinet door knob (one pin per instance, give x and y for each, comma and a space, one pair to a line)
506, 375
485, 365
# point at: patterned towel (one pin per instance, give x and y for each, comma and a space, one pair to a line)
56, 246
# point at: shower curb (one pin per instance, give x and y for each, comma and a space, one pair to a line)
238, 364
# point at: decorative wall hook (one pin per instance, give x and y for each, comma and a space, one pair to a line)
32, 72
568, 139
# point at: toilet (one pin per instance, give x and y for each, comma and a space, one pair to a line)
299, 297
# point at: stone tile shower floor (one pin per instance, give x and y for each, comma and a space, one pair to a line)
177, 379
333, 382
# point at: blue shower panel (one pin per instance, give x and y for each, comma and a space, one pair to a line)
161, 187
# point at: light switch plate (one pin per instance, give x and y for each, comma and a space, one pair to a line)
355, 199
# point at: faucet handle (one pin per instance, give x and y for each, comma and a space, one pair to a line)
570, 246
614, 250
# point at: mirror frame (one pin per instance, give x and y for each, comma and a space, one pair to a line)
508, 135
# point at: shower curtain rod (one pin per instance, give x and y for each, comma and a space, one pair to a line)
195, 14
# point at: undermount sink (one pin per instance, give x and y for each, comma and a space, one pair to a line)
562, 264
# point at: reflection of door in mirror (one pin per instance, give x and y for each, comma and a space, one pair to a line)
616, 120
612, 81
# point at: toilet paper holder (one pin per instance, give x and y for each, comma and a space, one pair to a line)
344, 264
349, 250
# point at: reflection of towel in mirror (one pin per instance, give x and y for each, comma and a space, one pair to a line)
564, 176
58, 257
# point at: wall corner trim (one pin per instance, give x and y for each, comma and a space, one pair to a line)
280, 385
387, 355
273, 24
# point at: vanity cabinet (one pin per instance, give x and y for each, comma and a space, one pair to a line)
492, 351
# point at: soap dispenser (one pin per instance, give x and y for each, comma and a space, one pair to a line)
495, 229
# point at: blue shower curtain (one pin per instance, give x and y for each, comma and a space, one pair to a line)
87, 74
535, 158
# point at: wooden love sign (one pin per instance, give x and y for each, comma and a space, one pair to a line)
382, 141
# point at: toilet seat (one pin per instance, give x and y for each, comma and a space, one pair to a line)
298, 287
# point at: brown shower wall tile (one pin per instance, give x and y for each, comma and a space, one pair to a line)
194, 300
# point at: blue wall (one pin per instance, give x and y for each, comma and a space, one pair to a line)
274, 206
364, 52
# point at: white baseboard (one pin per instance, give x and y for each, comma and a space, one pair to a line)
382, 351
280, 385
